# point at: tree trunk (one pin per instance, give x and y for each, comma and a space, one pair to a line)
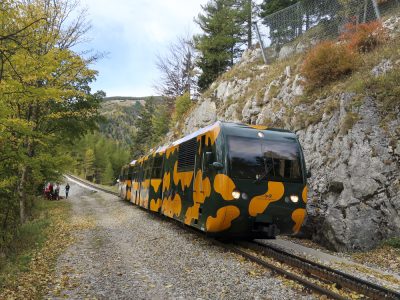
22, 195
23, 182
249, 25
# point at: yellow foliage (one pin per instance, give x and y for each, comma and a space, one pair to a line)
40, 275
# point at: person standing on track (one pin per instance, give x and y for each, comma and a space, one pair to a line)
66, 190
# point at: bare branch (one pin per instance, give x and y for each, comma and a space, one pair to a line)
176, 68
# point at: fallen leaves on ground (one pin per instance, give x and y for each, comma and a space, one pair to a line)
40, 277
384, 257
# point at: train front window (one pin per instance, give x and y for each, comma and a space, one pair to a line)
245, 158
277, 160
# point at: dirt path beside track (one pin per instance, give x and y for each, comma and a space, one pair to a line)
128, 253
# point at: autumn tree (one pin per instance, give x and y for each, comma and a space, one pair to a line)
45, 98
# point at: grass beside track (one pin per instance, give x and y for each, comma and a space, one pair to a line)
27, 271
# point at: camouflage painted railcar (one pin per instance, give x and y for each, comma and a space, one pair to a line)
228, 179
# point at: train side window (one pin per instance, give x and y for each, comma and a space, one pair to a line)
147, 168
140, 173
187, 155
125, 173
157, 167
130, 172
135, 173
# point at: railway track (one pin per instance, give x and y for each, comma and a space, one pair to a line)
91, 185
320, 272
308, 268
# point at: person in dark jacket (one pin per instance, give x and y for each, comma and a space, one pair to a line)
66, 190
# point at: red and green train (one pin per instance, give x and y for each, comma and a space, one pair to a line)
228, 180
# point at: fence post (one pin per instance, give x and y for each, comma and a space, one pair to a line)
261, 43
365, 11
378, 15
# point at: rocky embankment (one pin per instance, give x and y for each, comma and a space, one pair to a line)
350, 145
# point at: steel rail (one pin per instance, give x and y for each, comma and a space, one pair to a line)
317, 270
306, 283
323, 272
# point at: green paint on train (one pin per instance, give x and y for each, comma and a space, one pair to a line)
227, 179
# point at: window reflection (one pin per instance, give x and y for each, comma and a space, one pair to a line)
272, 160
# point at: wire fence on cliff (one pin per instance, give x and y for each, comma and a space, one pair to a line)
318, 20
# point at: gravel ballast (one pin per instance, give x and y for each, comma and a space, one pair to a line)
129, 253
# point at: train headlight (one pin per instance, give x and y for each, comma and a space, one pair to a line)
294, 198
236, 194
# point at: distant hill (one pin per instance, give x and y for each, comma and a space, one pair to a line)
125, 98
120, 113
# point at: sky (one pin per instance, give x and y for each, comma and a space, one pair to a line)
132, 33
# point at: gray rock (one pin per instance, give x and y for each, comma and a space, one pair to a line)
382, 68
286, 51
221, 89
297, 86
203, 115
393, 26
397, 150
231, 113
246, 112
287, 71
302, 47
336, 187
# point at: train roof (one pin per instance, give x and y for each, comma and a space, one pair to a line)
230, 128
240, 129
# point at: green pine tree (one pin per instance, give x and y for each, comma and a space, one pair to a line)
88, 164
143, 137
220, 43
160, 122
268, 7
108, 175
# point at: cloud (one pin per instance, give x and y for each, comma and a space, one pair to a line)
133, 32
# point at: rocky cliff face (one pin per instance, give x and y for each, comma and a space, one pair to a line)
351, 148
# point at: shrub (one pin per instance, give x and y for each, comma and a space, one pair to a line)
182, 105
327, 62
393, 242
364, 37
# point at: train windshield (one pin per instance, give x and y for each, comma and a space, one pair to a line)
277, 160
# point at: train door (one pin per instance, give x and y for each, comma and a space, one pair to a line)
139, 183
145, 184
120, 183
129, 183
155, 188
134, 189
167, 180
124, 185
